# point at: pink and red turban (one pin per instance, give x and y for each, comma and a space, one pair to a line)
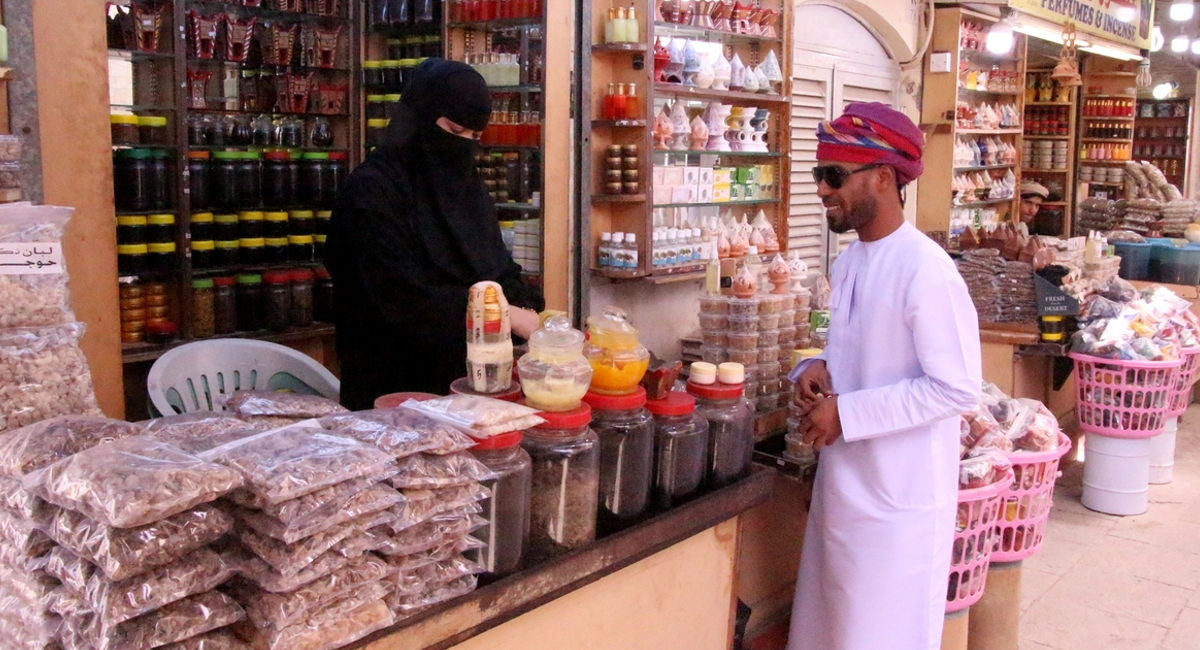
873, 133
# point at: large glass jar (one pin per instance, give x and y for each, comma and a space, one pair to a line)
225, 253
302, 298
203, 251
160, 228
275, 224
507, 509
225, 227
277, 290
316, 179
223, 180
252, 250
300, 222
249, 179
730, 429
680, 448
202, 226
323, 296
124, 128
152, 129
565, 478
159, 193
202, 309
198, 164
277, 180
626, 432
554, 374
320, 133
224, 306
275, 250
250, 224
131, 229
618, 361
131, 180
338, 168
249, 302
301, 248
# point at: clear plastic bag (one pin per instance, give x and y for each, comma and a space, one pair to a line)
290, 463
132, 482
125, 552
18, 559
478, 416
374, 499
217, 640
31, 587
329, 634
399, 432
266, 577
428, 577
426, 471
329, 612
422, 505
44, 374
67, 603
264, 423
37, 295
41, 444
440, 553
16, 633
71, 570
982, 470
432, 533
311, 507
19, 502
363, 542
171, 623
290, 559
23, 537
405, 606
292, 405
196, 433
117, 602
271, 611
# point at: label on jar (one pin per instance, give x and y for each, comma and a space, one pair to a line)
31, 258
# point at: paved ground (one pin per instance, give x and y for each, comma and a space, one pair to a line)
1117, 583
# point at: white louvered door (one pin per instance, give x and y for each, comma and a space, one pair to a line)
811, 104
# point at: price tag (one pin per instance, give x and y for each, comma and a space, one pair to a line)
31, 258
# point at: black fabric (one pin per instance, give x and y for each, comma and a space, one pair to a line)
412, 229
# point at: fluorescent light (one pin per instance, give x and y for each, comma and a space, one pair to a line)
1156, 40
1000, 37
1179, 44
1126, 14
1195, 47
1182, 10
1121, 54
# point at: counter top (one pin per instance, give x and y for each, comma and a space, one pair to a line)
1010, 333
489, 606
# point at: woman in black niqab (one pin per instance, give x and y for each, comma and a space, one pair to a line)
413, 228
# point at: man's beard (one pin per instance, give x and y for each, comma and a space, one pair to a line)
854, 216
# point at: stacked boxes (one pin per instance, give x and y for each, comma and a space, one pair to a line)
698, 184
524, 241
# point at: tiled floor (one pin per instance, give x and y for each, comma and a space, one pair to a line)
1120, 582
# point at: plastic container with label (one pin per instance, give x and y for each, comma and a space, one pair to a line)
202, 315
302, 297
626, 431
564, 491
203, 251
507, 509
131, 229
680, 448
250, 302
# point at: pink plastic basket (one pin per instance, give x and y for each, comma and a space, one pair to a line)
1123, 399
974, 538
1181, 396
1027, 501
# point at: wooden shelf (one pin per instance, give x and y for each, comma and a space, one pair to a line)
620, 47
1112, 74
732, 154
619, 124
1111, 119
273, 14
519, 207
980, 204
682, 274
524, 88
716, 204
1046, 171
499, 23
991, 92
618, 198
1110, 96
680, 90
614, 274
990, 56
1054, 203
1084, 161
663, 28
1049, 103
1113, 140
1047, 137
142, 352
977, 168
1007, 131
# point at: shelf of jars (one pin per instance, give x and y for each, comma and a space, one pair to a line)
1162, 133
1107, 106
1048, 155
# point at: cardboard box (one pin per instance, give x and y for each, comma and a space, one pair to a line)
737, 192
683, 195
691, 176
662, 194
672, 176
657, 174
705, 194
722, 177
707, 176
722, 193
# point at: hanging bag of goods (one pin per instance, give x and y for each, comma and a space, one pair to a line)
33, 273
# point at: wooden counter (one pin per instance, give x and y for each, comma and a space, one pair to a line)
665, 581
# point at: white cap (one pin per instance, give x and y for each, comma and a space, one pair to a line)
753, 250
703, 373
695, 232
730, 373
630, 237
606, 236
618, 237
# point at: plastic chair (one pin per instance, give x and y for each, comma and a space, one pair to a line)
200, 376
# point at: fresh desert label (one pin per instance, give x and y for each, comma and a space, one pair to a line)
1098, 17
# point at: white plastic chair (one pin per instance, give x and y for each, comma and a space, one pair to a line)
200, 376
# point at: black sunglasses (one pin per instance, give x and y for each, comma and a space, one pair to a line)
835, 175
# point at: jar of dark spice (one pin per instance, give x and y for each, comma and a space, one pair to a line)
241, 131
507, 509
300, 222
161, 257
277, 292
131, 229
198, 182
159, 193
626, 432
203, 253
730, 425
277, 180
225, 227
301, 248
375, 107
131, 180
250, 224
275, 224
224, 306
275, 250
202, 225
322, 296
132, 259
680, 448
199, 130
372, 74
391, 106
291, 132
565, 457
337, 172
302, 297
160, 228
319, 247
391, 75
225, 254
264, 131
249, 179
316, 179
375, 132
249, 302
223, 180
124, 128
322, 222
320, 133
203, 317
152, 129
251, 250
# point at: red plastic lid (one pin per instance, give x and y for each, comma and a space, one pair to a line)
715, 391
675, 403
321, 273
161, 328
277, 277
277, 155
394, 400
502, 441
302, 275
634, 400
338, 155
573, 419
225, 281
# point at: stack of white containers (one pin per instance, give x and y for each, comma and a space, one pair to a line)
758, 332
527, 245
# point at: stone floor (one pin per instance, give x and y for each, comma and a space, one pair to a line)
1116, 583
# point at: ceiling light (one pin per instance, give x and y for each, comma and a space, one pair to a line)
1157, 40
1179, 44
1195, 47
1182, 10
1000, 36
1164, 90
1119, 53
1126, 14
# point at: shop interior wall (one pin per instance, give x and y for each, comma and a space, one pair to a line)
72, 82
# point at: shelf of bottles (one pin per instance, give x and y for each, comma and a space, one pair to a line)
1047, 155
1161, 133
1107, 110
243, 111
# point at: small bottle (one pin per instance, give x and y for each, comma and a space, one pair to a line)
619, 260
633, 105
753, 262
697, 246
620, 25
712, 273
672, 258
620, 103
608, 27
631, 250
632, 29
606, 109
604, 252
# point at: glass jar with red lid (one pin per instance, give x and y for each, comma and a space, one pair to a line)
680, 448
626, 433
507, 509
730, 423
564, 496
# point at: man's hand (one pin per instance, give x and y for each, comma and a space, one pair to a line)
820, 422
523, 321
813, 384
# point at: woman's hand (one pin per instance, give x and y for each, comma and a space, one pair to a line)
523, 321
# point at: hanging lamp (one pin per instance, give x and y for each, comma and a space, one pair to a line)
1143, 77
1066, 73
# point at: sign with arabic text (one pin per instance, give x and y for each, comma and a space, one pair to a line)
31, 258
1097, 17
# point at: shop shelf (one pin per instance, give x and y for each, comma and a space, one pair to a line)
143, 352
138, 55
1085, 161
613, 274
620, 47
523, 88
1009, 131
1047, 137
961, 89
1053, 203
260, 148
985, 202
620, 124
519, 207
1109, 119
135, 108
680, 90
726, 154
681, 274
1049, 104
1105, 139
721, 204
662, 28
268, 13
976, 168
1047, 171
305, 68
1111, 74
121, 213
509, 147
215, 107
618, 198
499, 23
984, 54
1086, 97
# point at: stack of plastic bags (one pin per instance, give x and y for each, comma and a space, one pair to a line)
1098, 214
1142, 215
999, 428
1002, 291
1145, 181
1120, 322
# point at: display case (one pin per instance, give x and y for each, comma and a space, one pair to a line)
225, 117
686, 121
973, 116
1161, 132
1107, 108
1047, 154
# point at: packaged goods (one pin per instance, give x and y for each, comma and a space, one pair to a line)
68, 568
31, 588
196, 433
478, 416
290, 559
373, 499
265, 576
43, 443
43, 374
429, 577
33, 293
450, 548
327, 635
125, 552
269, 611
330, 612
22, 536
399, 432
290, 463
132, 482
426, 471
319, 505
175, 622
19, 502
117, 602
216, 640
420, 508
409, 605
67, 603
438, 530
293, 405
